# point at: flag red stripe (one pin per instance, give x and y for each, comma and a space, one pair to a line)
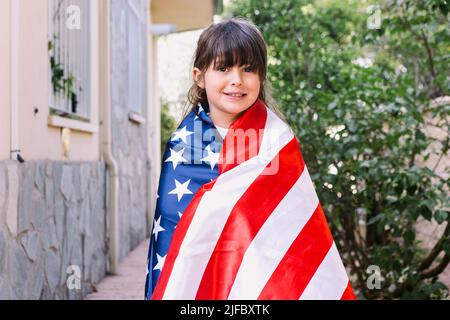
301, 261
348, 293
252, 121
177, 239
245, 220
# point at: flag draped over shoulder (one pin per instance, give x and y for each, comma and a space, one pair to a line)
252, 226
189, 161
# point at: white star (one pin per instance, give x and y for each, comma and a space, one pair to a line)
160, 263
181, 189
157, 227
176, 157
200, 109
181, 134
212, 158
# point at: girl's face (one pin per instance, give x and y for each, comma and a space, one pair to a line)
230, 91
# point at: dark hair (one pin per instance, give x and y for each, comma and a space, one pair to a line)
232, 42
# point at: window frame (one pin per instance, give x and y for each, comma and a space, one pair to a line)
85, 54
135, 100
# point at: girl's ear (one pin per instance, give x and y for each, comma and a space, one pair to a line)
198, 77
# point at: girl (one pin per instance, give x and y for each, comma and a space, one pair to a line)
237, 215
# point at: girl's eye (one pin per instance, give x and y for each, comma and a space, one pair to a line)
224, 69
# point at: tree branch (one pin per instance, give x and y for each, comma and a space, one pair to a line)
429, 54
423, 38
426, 263
436, 270
424, 275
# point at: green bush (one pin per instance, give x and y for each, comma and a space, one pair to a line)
168, 125
360, 125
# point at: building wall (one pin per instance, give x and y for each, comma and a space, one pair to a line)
52, 208
52, 216
129, 139
37, 140
4, 79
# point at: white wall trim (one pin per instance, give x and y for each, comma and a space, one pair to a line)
61, 122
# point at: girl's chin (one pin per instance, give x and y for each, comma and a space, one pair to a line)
231, 109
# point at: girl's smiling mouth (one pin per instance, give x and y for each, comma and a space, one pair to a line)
235, 95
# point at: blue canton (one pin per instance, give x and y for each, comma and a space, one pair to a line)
190, 161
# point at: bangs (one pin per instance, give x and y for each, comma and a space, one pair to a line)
237, 47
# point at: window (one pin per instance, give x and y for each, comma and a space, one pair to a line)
136, 62
70, 59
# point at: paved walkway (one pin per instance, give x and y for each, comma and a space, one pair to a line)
129, 283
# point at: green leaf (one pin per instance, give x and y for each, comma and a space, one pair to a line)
420, 135
409, 236
446, 247
440, 216
415, 213
338, 113
375, 219
413, 279
426, 208
351, 126
332, 105
413, 178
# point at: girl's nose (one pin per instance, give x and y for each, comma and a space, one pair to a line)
236, 77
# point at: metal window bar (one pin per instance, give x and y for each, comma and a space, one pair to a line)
71, 51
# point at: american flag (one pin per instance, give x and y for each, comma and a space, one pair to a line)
252, 226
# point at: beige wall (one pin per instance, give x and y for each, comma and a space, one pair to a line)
186, 15
37, 139
4, 80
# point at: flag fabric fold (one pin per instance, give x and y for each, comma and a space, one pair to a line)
251, 227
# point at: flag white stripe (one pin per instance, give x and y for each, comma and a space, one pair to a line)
213, 211
278, 232
329, 281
